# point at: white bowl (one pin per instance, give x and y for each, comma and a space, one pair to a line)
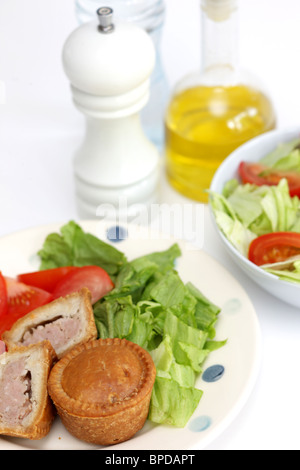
253, 151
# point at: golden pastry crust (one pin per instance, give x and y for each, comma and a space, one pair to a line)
39, 361
102, 390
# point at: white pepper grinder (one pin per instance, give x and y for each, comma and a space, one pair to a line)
109, 67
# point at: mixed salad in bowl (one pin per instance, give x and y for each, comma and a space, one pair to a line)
258, 211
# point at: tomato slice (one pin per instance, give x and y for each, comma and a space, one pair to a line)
21, 299
255, 173
3, 297
92, 277
274, 248
47, 279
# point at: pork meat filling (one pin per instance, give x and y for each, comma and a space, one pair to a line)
15, 393
58, 331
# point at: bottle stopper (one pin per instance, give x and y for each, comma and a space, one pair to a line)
219, 10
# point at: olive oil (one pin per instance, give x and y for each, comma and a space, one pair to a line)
216, 110
204, 124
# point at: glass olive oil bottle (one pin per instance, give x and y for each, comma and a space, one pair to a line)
216, 111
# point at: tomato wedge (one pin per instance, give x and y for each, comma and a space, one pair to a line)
93, 277
3, 297
274, 248
21, 299
47, 279
255, 173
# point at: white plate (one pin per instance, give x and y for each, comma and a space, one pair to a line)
223, 398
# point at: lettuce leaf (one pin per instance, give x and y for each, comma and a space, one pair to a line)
174, 397
171, 403
291, 275
229, 224
74, 247
285, 156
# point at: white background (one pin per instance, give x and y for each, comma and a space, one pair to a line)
39, 106
40, 128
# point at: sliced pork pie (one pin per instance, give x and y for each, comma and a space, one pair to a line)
25, 407
65, 322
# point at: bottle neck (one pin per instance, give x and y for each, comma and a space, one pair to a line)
219, 38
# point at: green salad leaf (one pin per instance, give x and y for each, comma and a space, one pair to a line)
152, 307
286, 157
74, 247
291, 275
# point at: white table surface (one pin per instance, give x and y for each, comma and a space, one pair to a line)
40, 129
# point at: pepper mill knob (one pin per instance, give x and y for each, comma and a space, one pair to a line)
105, 16
109, 67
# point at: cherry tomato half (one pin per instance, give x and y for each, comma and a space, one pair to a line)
260, 175
274, 248
46, 279
93, 278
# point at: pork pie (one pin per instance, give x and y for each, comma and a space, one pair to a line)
102, 390
65, 322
